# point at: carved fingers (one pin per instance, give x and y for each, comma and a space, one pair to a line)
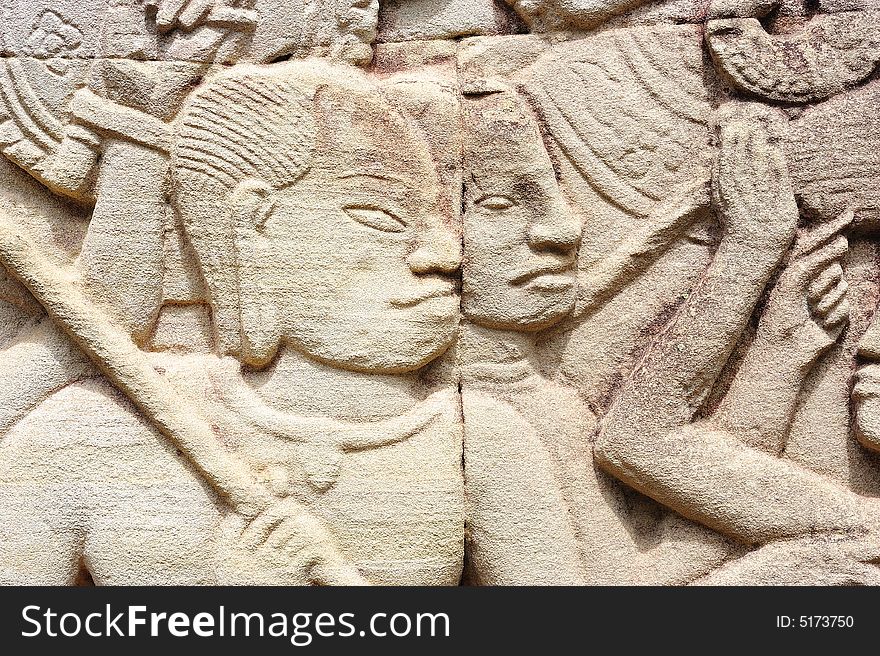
288, 539
167, 13
188, 15
751, 187
821, 275
830, 308
809, 308
804, 561
172, 14
194, 13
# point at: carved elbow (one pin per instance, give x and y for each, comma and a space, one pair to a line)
610, 450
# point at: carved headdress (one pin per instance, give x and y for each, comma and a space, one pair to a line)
267, 125
249, 124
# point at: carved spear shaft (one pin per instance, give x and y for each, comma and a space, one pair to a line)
117, 356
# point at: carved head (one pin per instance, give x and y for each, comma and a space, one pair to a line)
357, 22
520, 237
312, 207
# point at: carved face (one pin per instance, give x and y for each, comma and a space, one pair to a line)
520, 239
357, 22
355, 258
866, 391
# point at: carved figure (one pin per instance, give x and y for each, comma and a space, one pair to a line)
539, 512
275, 299
696, 464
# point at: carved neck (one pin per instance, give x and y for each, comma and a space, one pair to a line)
486, 353
297, 384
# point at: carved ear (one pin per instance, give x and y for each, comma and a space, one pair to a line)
251, 200
260, 334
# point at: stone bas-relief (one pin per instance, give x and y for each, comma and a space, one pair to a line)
295, 294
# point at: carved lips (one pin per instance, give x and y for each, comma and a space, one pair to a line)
551, 277
441, 290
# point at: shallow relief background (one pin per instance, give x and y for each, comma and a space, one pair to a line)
359, 314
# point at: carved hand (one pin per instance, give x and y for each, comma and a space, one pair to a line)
187, 15
808, 307
751, 187
287, 544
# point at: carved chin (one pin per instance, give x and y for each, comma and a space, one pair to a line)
867, 422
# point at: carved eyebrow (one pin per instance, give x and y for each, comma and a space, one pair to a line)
384, 177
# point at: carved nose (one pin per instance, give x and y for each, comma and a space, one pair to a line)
441, 253
561, 233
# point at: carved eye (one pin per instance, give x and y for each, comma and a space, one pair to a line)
376, 219
495, 202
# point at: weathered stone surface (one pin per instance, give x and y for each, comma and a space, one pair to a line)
403, 20
186, 30
527, 292
831, 53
